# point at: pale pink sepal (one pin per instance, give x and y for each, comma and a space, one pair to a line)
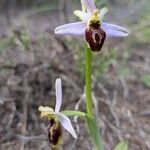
114, 30
58, 90
66, 123
89, 5
77, 28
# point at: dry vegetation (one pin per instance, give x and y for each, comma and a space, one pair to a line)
32, 57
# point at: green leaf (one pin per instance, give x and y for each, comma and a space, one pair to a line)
146, 80
123, 145
95, 133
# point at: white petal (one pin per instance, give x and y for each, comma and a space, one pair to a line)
77, 28
82, 15
89, 5
103, 12
66, 123
114, 30
58, 89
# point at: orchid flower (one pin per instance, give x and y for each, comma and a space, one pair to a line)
92, 26
56, 117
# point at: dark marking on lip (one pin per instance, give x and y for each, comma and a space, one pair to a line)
54, 132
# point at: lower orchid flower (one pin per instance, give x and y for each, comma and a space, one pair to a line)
92, 26
56, 118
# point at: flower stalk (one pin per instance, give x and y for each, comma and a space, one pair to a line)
91, 122
88, 82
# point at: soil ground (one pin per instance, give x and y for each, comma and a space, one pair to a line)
34, 57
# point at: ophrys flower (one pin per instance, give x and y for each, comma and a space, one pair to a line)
92, 26
56, 118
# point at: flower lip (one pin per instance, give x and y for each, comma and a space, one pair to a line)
95, 37
55, 133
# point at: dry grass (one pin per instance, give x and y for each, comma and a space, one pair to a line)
27, 76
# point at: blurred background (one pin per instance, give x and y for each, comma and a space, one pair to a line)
32, 57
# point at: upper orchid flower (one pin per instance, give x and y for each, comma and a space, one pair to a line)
92, 26
56, 118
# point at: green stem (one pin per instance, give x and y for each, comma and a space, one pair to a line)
88, 82
91, 121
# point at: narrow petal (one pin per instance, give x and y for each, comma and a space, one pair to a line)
103, 11
89, 4
58, 89
45, 109
66, 123
114, 30
77, 28
82, 15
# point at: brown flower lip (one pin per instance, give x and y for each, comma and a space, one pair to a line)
95, 37
54, 133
